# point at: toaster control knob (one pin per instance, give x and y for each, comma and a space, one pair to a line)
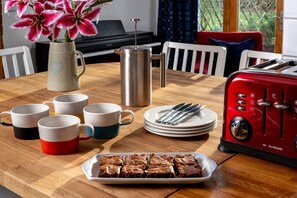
241, 102
241, 95
240, 129
239, 108
263, 103
280, 105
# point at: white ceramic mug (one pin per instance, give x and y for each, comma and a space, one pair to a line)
60, 134
24, 120
71, 104
106, 119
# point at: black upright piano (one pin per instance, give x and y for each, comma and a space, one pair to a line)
99, 48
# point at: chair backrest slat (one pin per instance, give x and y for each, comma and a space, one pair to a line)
201, 68
175, 59
5, 67
12, 54
184, 67
15, 64
210, 63
193, 61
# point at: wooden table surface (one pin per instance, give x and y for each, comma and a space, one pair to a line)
28, 172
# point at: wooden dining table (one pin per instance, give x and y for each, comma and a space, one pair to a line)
27, 171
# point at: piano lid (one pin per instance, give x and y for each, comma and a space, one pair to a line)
107, 28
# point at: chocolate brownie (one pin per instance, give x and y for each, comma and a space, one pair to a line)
139, 160
109, 170
189, 171
132, 171
161, 159
111, 159
160, 171
186, 159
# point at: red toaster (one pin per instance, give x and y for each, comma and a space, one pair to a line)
260, 112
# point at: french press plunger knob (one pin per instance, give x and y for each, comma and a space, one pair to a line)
135, 31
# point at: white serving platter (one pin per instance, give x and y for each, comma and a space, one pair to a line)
91, 170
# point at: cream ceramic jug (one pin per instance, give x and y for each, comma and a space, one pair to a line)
63, 71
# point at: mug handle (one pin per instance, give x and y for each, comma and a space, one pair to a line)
48, 103
131, 120
89, 126
82, 60
1, 121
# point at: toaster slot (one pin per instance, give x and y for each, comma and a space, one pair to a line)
282, 66
264, 104
265, 64
281, 106
264, 112
282, 112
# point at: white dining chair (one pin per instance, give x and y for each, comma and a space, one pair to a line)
257, 56
197, 56
11, 63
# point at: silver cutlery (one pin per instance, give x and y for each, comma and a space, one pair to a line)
168, 113
179, 114
175, 113
183, 113
187, 115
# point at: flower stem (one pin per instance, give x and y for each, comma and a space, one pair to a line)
66, 36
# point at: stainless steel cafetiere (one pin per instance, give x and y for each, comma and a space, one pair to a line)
136, 73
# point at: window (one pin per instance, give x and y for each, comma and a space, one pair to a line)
240, 15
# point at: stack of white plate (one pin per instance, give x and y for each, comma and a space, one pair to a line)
201, 123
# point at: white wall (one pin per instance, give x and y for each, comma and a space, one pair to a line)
123, 10
289, 29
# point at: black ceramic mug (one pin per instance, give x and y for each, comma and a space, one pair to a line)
24, 120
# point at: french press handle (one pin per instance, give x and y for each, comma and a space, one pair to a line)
161, 57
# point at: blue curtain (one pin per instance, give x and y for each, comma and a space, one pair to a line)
177, 20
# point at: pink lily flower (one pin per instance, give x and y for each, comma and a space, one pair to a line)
38, 23
21, 6
77, 21
51, 4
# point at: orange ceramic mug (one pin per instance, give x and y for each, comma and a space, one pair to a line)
60, 134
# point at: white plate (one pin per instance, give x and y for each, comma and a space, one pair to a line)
91, 170
168, 134
181, 129
181, 132
204, 117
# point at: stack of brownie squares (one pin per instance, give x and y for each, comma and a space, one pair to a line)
134, 166
160, 166
187, 166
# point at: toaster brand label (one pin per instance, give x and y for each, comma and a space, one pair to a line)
273, 147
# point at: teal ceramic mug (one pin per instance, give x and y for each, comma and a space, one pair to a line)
106, 119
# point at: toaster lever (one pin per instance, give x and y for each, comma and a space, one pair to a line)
280, 105
263, 103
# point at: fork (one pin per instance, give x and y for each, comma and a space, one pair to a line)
177, 112
180, 113
187, 115
170, 112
